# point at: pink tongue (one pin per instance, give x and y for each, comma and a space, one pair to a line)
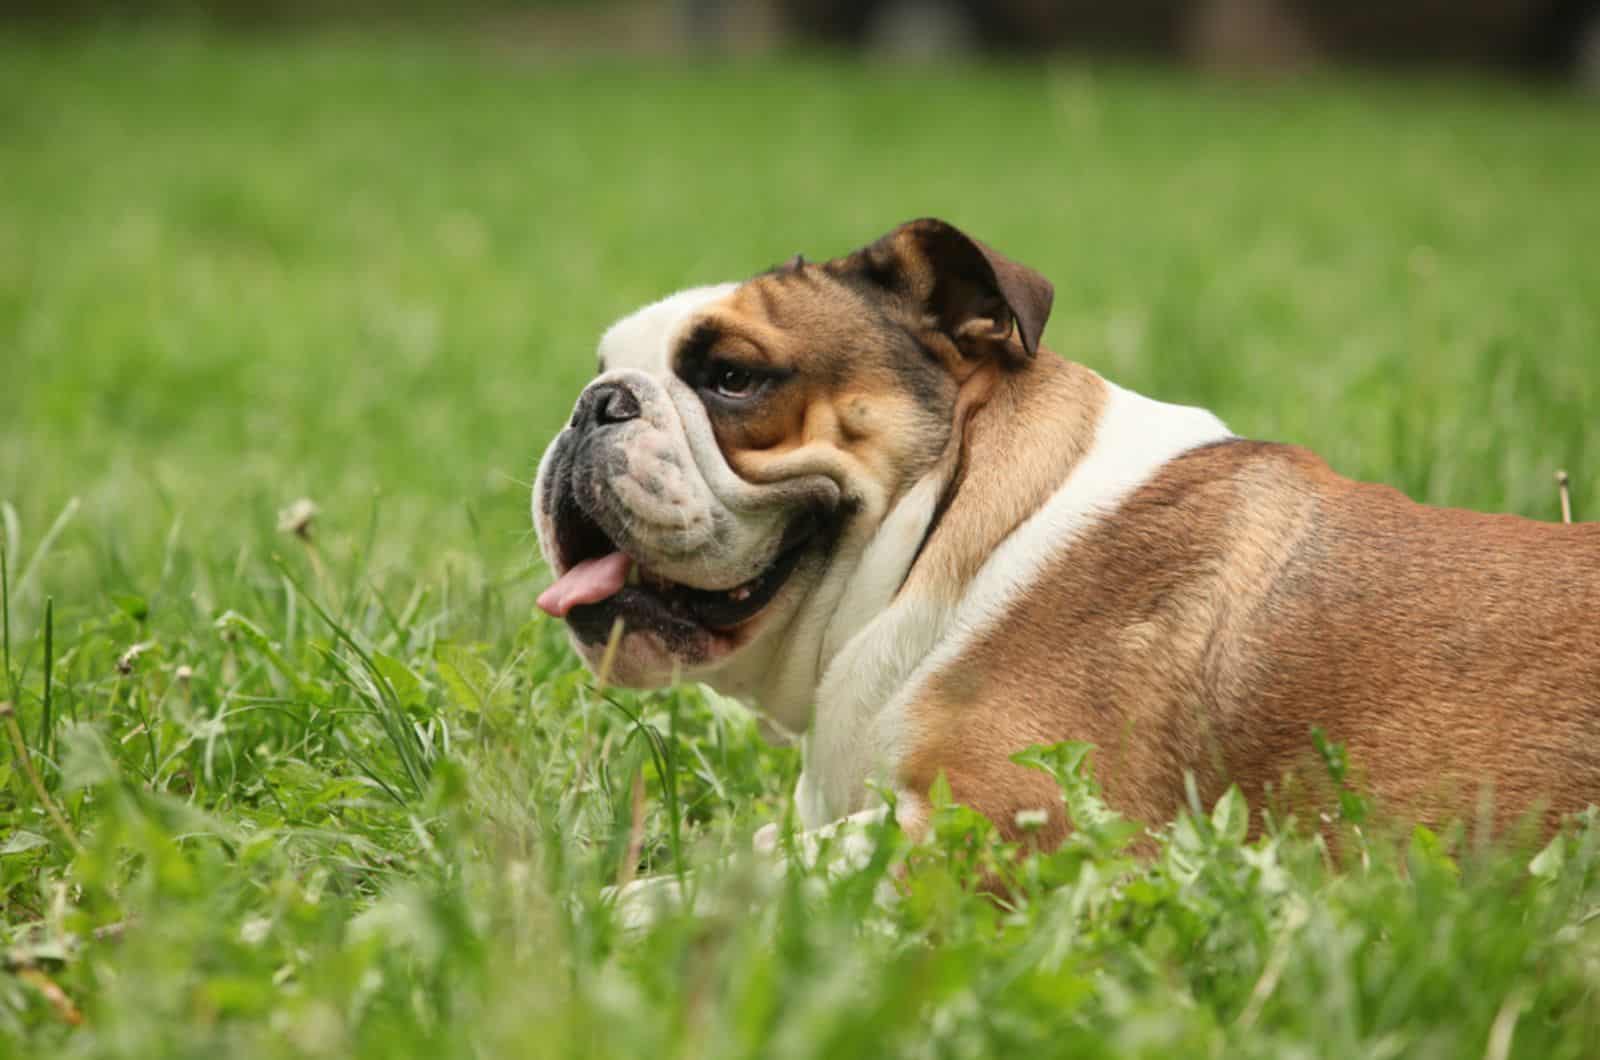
589, 582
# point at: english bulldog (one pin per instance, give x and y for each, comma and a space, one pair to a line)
860, 496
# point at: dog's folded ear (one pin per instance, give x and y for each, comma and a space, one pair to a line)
960, 287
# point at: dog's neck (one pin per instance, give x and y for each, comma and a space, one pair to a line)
1054, 449
908, 567
1049, 411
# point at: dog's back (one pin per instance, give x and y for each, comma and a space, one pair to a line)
1457, 654
1247, 594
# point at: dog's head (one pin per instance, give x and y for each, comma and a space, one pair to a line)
721, 476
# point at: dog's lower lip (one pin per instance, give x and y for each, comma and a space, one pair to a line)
660, 602
729, 608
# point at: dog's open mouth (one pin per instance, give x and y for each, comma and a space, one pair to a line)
601, 583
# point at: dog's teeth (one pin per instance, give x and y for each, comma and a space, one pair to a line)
741, 592
633, 575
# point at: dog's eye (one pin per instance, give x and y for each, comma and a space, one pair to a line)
731, 381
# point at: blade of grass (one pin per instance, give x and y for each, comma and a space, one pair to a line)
5, 620
391, 714
46, 740
665, 761
237, 624
390, 718
20, 748
401, 634
366, 768
149, 733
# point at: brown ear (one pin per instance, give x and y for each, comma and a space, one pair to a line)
973, 294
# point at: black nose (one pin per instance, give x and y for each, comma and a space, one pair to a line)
605, 403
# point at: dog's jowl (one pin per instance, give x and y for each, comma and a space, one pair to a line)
861, 497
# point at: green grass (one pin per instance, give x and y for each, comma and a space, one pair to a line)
351, 797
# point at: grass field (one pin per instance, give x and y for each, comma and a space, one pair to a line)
350, 796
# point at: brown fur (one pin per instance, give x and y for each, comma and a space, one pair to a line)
858, 387
1059, 398
1248, 593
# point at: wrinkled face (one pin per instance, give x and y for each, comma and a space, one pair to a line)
707, 508
736, 450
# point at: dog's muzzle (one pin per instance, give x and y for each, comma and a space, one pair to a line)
634, 530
